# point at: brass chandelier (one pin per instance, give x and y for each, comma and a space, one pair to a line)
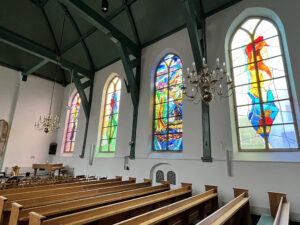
207, 84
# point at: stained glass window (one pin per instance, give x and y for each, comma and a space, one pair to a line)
167, 127
110, 116
264, 111
72, 125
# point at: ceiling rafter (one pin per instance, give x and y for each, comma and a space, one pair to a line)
132, 22
83, 43
54, 40
20, 42
101, 23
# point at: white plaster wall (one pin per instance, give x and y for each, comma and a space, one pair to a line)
257, 176
27, 145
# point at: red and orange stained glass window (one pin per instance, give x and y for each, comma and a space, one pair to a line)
167, 124
264, 110
110, 119
72, 124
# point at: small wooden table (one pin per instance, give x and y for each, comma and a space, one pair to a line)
47, 166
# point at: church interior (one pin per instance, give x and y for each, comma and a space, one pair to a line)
149, 112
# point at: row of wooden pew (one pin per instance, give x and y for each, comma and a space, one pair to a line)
40, 181
114, 201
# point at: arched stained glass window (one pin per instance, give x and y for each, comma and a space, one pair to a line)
110, 116
72, 125
264, 109
167, 128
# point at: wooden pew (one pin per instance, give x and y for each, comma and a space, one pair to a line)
235, 212
182, 212
280, 210
20, 214
35, 200
61, 190
114, 213
53, 186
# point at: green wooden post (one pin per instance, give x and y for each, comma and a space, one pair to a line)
197, 49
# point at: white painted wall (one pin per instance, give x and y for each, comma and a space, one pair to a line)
25, 144
257, 176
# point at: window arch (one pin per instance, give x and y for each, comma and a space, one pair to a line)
167, 119
72, 124
264, 112
110, 116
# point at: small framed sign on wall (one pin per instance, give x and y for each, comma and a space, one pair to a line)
3, 136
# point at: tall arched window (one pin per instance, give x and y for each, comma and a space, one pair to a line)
265, 118
110, 116
72, 125
167, 121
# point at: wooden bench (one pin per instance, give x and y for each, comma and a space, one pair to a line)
280, 210
114, 213
53, 186
235, 212
20, 214
36, 200
41, 193
182, 212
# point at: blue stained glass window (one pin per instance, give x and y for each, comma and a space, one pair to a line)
263, 104
167, 124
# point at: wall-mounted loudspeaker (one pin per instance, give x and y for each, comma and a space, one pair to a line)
52, 148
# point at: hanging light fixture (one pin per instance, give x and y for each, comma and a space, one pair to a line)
104, 5
207, 84
49, 123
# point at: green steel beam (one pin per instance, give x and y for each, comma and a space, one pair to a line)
227, 5
198, 50
86, 84
91, 16
132, 22
84, 101
86, 104
133, 82
53, 39
35, 67
36, 49
129, 73
83, 43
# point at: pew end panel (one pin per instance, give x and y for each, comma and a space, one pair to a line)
15, 213
274, 201
132, 179
189, 185
238, 191
148, 180
35, 218
119, 177
211, 187
3, 203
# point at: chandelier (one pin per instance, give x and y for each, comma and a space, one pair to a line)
49, 123
207, 84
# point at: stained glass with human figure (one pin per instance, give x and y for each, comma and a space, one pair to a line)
167, 128
263, 105
72, 124
110, 116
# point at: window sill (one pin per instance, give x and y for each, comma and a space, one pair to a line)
105, 155
166, 155
267, 156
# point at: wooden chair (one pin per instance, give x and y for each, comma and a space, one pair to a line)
280, 210
21, 214
182, 212
114, 213
235, 212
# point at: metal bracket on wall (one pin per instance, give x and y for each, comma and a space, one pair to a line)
198, 47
